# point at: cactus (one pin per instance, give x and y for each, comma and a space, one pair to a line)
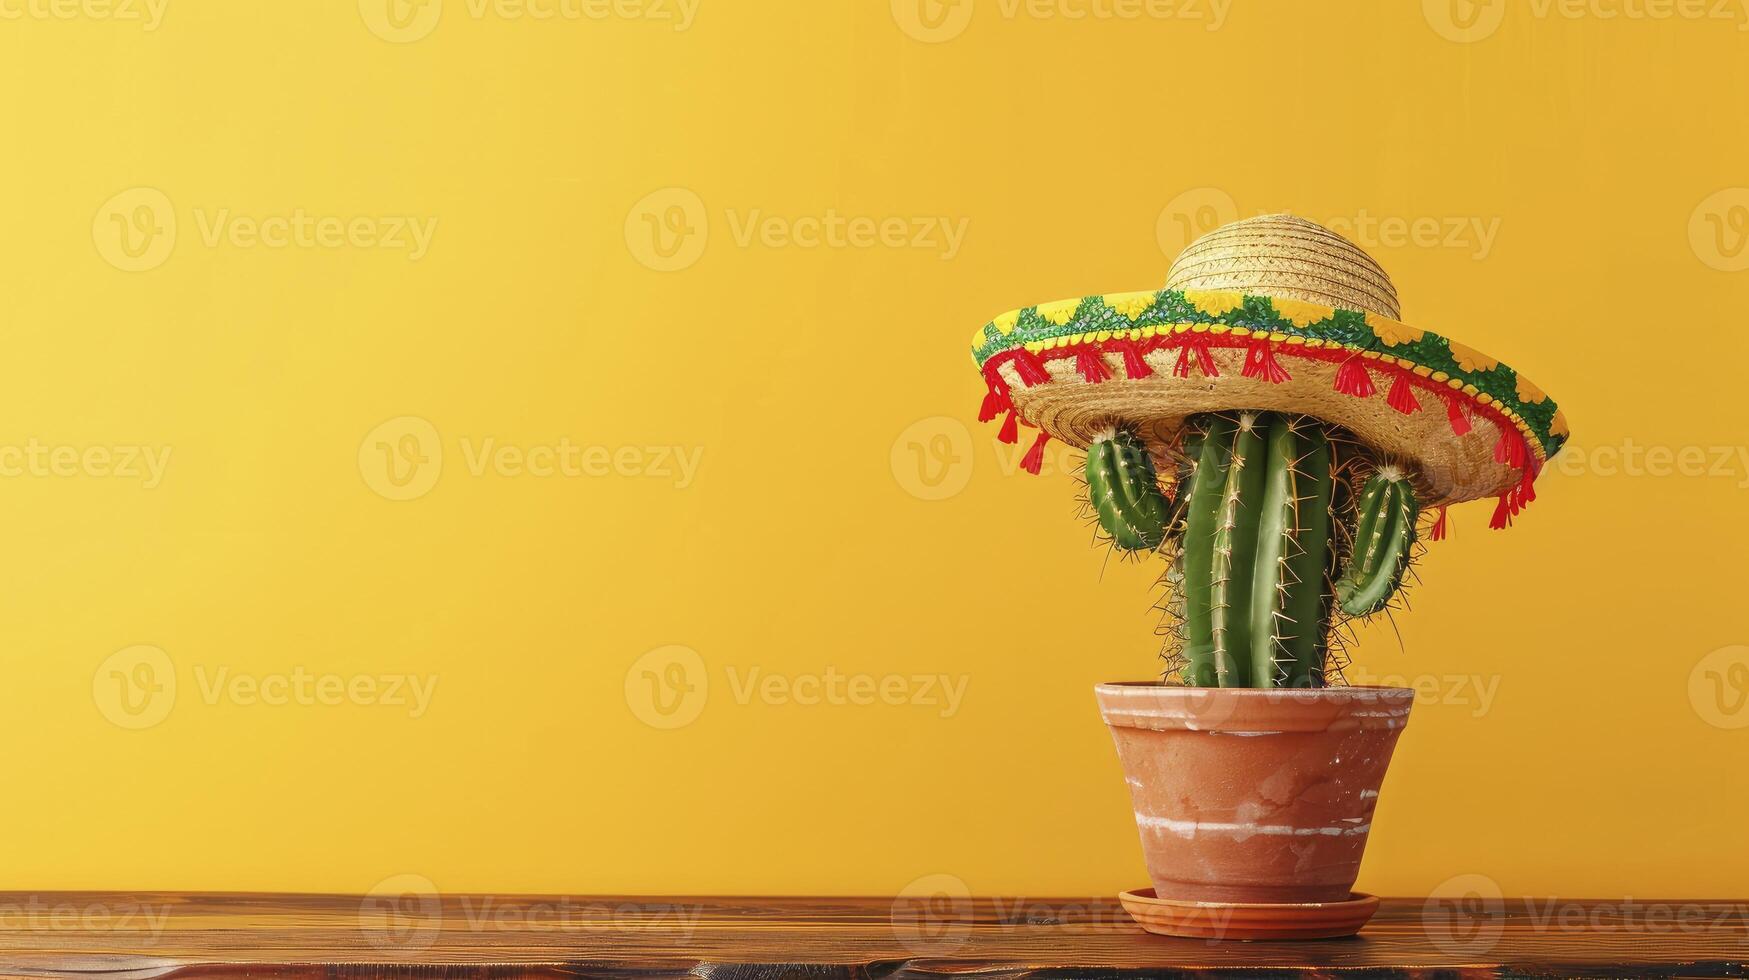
1268, 548
1124, 489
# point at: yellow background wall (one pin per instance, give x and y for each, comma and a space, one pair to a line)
207, 670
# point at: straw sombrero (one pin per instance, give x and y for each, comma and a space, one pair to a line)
1273, 313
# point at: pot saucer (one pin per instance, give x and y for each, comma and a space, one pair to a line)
1216, 920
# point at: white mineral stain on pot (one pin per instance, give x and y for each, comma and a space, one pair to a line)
1191, 828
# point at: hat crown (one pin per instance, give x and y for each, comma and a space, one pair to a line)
1282, 256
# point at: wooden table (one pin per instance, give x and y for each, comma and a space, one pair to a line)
417, 934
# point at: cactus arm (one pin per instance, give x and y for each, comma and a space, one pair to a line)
1381, 548
1125, 492
1276, 524
1309, 605
1235, 554
1141, 487
1140, 484
1371, 521
1200, 489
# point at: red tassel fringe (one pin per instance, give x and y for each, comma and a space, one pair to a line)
1502, 513
1352, 379
1522, 495
1402, 396
1458, 414
1010, 433
1134, 364
1034, 459
1439, 528
1514, 501
1205, 362
1092, 365
995, 403
1030, 368
1260, 363
1510, 448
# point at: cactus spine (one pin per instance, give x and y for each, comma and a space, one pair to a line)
1258, 519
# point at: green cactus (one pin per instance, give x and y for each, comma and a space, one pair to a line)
1124, 490
1384, 530
1268, 548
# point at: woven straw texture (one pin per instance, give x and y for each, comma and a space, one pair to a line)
1281, 255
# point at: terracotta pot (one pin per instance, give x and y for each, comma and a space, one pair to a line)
1254, 796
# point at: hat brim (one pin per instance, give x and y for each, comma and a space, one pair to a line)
1469, 425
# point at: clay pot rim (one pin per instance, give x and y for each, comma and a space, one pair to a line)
1172, 707
1343, 692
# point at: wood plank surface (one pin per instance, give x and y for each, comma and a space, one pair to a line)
176, 935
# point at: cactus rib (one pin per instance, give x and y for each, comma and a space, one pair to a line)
1208, 446
1309, 605
1235, 555
1276, 523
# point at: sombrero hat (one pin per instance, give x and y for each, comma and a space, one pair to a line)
1273, 313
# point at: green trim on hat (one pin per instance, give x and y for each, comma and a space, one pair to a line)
1144, 314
